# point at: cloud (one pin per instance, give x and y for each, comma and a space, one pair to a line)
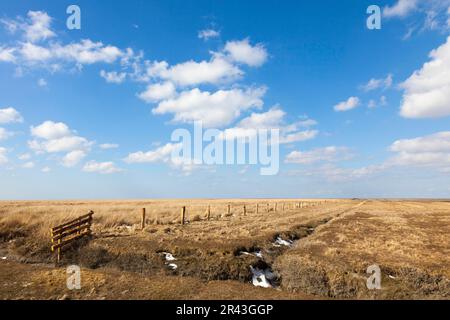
10, 115
101, 167
208, 34
39, 28
57, 137
269, 119
46, 169
50, 130
113, 76
158, 91
272, 119
373, 103
28, 165
73, 158
327, 154
33, 53
448, 17
168, 154
438, 142
3, 156
243, 52
106, 146
4, 134
374, 84
83, 52
42, 82
7, 54
216, 109
56, 57
400, 9
427, 91
24, 156
221, 68
350, 104
432, 150
35, 28
63, 144
429, 15
298, 136
331, 172
161, 154
215, 71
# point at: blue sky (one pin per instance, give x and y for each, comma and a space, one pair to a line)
89, 113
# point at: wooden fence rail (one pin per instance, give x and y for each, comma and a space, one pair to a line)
68, 232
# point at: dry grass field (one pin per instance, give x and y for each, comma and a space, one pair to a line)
318, 251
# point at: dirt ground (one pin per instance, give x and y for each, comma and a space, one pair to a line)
313, 249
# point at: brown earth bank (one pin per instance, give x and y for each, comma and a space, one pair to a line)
311, 248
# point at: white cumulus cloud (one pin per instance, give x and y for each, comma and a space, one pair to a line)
374, 84
10, 115
160, 154
36, 27
50, 130
243, 52
427, 91
4, 134
101, 167
208, 34
347, 105
214, 71
57, 137
216, 109
73, 158
158, 91
113, 76
272, 119
427, 151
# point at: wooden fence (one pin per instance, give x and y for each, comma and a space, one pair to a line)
272, 206
68, 232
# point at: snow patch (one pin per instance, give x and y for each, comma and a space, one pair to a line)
281, 242
168, 256
255, 253
262, 278
172, 266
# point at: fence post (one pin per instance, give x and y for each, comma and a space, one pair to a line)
276, 206
228, 209
59, 252
143, 219
257, 208
183, 215
245, 211
208, 213
268, 207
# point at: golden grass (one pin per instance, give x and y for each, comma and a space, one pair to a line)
408, 239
